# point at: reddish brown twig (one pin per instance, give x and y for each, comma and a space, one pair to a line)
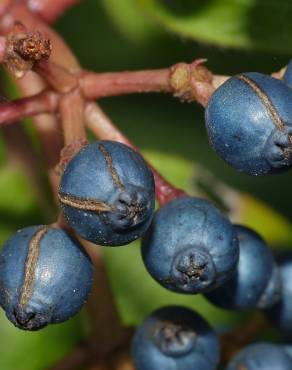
99, 85
233, 341
74, 360
3, 45
188, 82
12, 111
104, 84
57, 77
72, 117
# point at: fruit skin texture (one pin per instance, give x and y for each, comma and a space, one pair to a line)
256, 281
45, 277
175, 338
281, 313
249, 123
287, 78
261, 356
107, 193
190, 247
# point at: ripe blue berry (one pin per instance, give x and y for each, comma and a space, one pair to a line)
107, 193
175, 338
256, 281
190, 247
249, 123
45, 277
261, 356
281, 313
287, 78
287, 348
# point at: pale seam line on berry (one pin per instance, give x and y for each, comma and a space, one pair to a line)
83, 203
265, 100
110, 166
30, 265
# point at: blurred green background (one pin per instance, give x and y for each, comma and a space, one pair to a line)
109, 35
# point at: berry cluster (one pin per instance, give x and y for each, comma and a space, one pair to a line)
107, 193
107, 197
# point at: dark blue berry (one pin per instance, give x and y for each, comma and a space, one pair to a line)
249, 123
261, 356
107, 193
256, 281
45, 277
190, 247
175, 338
287, 348
287, 78
281, 313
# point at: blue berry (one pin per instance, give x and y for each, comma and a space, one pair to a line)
190, 247
249, 123
287, 348
281, 313
261, 356
287, 78
256, 282
107, 193
45, 277
175, 338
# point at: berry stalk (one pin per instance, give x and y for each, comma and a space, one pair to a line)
188, 82
44, 102
100, 85
2, 48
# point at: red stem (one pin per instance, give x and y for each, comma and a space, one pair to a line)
71, 112
102, 85
57, 77
99, 85
44, 102
2, 48
5, 5
50, 10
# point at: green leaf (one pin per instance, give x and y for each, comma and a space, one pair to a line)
18, 205
129, 19
270, 224
22, 350
255, 24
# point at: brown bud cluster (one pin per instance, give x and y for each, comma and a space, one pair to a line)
24, 49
